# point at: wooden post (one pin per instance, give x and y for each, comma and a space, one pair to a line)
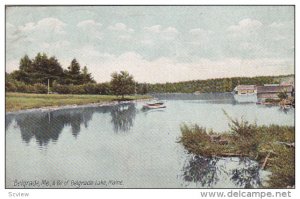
265, 162
48, 86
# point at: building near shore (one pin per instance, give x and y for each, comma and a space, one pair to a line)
245, 89
272, 91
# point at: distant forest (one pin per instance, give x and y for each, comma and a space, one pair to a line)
216, 85
33, 76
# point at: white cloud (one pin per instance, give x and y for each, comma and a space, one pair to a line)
124, 37
276, 25
27, 27
250, 46
54, 46
147, 42
159, 29
52, 24
168, 33
200, 32
200, 37
120, 27
166, 69
170, 30
153, 29
245, 25
46, 26
89, 24
90, 29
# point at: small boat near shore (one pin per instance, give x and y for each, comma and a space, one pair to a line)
154, 105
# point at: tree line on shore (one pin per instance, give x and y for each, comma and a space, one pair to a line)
34, 75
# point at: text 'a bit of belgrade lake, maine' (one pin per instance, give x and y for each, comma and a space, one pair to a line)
125, 146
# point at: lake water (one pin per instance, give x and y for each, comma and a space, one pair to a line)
123, 146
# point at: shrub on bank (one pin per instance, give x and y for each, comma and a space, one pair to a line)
90, 88
271, 146
10, 87
40, 88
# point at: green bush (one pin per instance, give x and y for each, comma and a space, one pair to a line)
61, 89
10, 87
40, 88
269, 100
90, 88
77, 89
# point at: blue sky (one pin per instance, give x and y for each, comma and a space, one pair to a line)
157, 43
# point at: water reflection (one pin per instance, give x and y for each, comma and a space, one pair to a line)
209, 97
248, 175
47, 126
201, 170
208, 171
285, 110
8, 121
122, 117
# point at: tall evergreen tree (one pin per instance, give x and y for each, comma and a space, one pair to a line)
73, 75
86, 76
25, 64
74, 68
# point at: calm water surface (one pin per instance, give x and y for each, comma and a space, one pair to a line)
135, 149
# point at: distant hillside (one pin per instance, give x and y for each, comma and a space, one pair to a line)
216, 85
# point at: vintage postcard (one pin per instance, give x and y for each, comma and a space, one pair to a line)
181, 96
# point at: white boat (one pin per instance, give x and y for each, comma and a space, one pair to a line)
154, 105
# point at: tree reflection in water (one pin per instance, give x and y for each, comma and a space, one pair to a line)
248, 176
207, 172
201, 170
47, 126
8, 121
122, 117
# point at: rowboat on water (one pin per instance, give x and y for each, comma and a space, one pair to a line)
154, 105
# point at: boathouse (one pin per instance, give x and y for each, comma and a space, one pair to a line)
272, 91
245, 89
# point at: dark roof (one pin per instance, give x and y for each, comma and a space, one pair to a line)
274, 89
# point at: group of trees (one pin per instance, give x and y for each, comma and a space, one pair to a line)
34, 75
41, 69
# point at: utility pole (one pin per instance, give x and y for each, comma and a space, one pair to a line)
48, 86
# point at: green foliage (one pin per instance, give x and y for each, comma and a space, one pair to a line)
283, 95
86, 76
40, 88
41, 69
251, 140
25, 64
197, 140
10, 87
122, 83
142, 88
270, 100
74, 68
90, 88
44, 68
212, 85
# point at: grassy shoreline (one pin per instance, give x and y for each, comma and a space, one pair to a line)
273, 147
23, 101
